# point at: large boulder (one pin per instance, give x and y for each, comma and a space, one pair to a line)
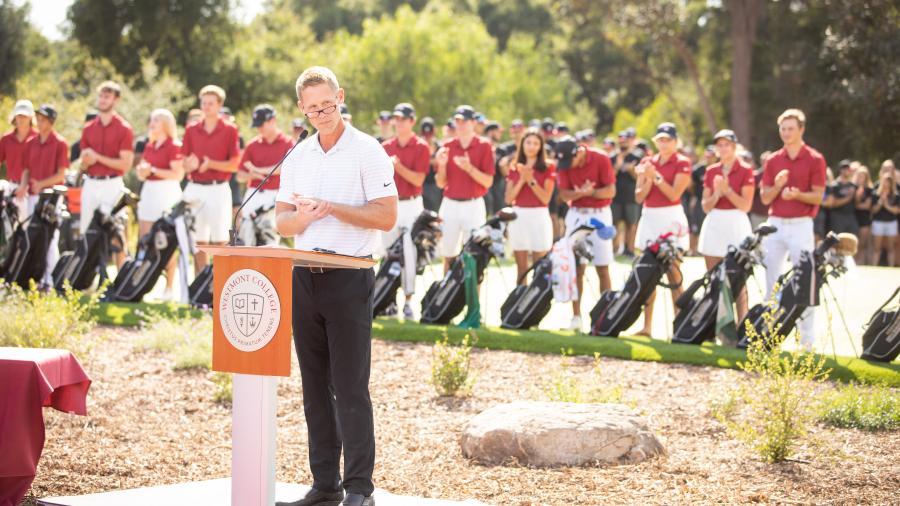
559, 434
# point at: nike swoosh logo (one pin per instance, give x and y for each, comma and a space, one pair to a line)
387, 184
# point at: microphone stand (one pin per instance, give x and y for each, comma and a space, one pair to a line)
233, 233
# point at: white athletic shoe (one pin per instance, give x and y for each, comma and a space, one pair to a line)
407, 312
576, 325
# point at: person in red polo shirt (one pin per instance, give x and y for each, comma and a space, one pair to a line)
587, 183
161, 171
46, 158
793, 186
211, 149
107, 152
465, 171
662, 179
12, 151
258, 159
411, 156
728, 188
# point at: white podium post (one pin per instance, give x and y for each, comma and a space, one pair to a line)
253, 429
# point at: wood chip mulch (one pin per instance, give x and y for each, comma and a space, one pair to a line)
149, 425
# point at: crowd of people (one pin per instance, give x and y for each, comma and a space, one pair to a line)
467, 168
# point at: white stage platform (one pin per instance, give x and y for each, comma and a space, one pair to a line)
218, 492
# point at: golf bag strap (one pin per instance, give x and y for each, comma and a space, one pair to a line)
672, 286
880, 309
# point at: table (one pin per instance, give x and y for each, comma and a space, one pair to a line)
31, 378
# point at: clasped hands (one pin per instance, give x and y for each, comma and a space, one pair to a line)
312, 208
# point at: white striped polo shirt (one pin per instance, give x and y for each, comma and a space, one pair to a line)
356, 170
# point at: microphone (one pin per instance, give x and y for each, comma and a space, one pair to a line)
233, 233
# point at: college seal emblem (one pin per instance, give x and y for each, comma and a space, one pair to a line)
249, 310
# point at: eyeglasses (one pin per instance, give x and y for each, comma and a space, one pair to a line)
321, 112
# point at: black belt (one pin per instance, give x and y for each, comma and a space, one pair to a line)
100, 178
207, 183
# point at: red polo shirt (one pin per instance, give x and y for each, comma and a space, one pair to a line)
676, 164
108, 140
741, 175
804, 172
526, 196
44, 159
220, 145
415, 156
596, 168
264, 154
161, 157
12, 152
461, 186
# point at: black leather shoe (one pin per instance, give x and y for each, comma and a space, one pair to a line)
358, 500
316, 497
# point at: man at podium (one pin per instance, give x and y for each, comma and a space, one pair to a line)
337, 191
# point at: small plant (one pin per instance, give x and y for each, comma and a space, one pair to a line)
187, 338
773, 410
867, 408
32, 319
564, 386
450, 368
224, 392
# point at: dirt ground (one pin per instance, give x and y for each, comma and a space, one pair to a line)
149, 425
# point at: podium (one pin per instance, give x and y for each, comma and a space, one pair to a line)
252, 313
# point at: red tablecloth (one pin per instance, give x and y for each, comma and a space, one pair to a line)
30, 379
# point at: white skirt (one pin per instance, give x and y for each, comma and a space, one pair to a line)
157, 197
656, 221
532, 230
723, 228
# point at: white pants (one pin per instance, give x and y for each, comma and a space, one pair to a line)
793, 236
157, 197
532, 230
602, 248
98, 194
407, 212
211, 207
723, 228
459, 219
262, 198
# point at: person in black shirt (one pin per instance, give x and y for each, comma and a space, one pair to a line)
75, 148
841, 202
625, 210
885, 210
694, 208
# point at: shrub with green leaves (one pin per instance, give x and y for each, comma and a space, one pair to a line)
563, 385
773, 409
32, 319
867, 408
187, 338
450, 373
224, 391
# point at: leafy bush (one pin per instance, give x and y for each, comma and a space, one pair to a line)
450, 368
224, 392
565, 386
187, 338
773, 410
32, 319
866, 408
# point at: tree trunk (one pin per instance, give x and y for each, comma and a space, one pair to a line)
685, 54
744, 16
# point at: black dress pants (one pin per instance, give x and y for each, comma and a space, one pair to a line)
332, 323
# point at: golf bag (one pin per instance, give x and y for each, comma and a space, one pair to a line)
258, 229
881, 341
618, 310
105, 235
799, 288
200, 293
26, 253
698, 305
68, 229
527, 305
9, 216
155, 249
425, 233
446, 298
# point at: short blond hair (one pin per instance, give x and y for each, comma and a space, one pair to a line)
212, 89
111, 87
314, 76
796, 114
168, 121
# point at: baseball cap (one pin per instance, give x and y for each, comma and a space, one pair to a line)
405, 110
845, 163
565, 150
298, 123
225, 111
534, 123
609, 141
516, 123
47, 111
451, 124
480, 117
261, 114
710, 148
22, 108
464, 112
384, 115
725, 134
491, 125
547, 124
666, 130
427, 125
562, 127
589, 133
89, 116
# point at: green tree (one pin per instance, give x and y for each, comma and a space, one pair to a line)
13, 30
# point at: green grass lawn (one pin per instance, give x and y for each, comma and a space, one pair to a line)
547, 341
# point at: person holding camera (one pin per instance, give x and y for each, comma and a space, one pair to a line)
885, 212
